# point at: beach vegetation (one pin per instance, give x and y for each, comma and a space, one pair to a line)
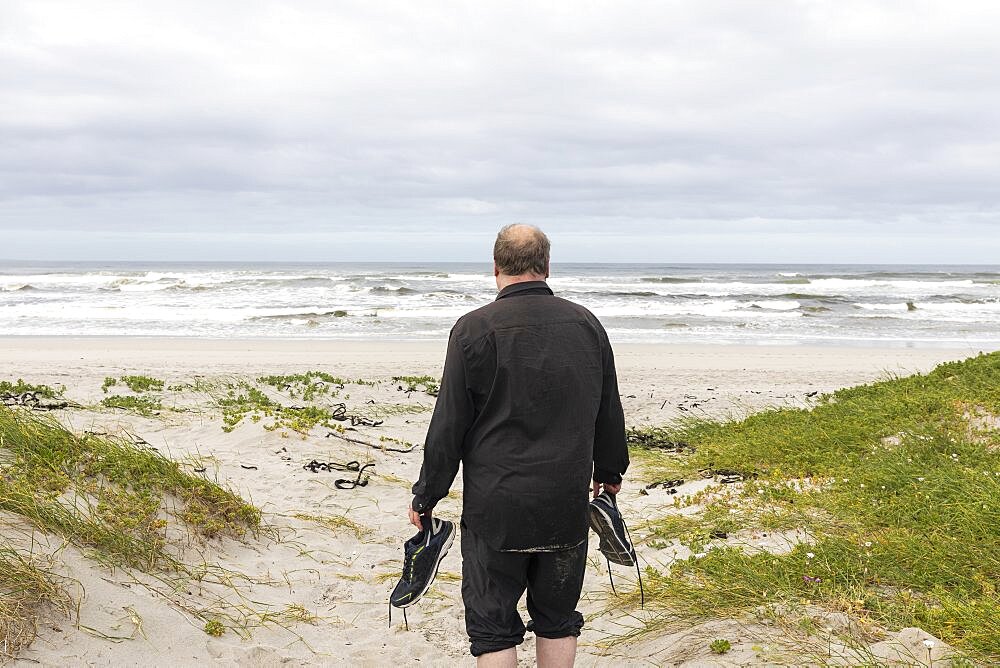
337, 523
306, 386
137, 384
427, 384
199, 384
140, 384
111, 495
141, 405
374, 411
892, 486
215, 628
27, 589
20, 387
384, 440
720, 646
244, 400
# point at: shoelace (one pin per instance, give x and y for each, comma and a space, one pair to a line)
638, 573
429, 531
405, 622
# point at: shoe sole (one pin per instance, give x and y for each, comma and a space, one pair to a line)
444, 550
600, 522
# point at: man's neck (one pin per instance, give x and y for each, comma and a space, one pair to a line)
503, 280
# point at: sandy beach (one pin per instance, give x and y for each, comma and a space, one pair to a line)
311, 593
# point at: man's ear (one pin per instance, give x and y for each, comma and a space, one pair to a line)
546, 270
496, 270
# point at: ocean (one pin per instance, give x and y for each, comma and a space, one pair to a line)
953, 306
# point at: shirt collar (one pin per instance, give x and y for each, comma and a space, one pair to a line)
535, 287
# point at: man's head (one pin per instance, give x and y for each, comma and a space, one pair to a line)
521, 253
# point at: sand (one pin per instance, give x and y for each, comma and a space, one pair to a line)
337, 581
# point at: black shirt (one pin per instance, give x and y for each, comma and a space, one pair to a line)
529, 403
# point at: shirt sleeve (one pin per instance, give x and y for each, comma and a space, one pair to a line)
452, 418
610, 449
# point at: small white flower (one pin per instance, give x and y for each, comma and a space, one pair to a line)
868, 543
700, 555
862, 484
846, 479
920, 479
809, 555
928, 643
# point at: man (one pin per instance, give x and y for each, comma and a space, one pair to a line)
529, 404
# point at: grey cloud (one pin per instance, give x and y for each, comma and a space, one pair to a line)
320, 117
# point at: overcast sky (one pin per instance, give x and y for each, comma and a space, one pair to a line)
803, 131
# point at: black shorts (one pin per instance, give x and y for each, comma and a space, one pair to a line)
492, 585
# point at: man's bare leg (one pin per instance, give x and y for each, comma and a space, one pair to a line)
555, 652
505, 658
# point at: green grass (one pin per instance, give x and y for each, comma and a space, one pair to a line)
900, 494
109, 494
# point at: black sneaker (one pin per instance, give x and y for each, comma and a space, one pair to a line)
422, 555
607, 523
616, 545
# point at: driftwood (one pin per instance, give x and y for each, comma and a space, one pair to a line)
32, 401
378, 446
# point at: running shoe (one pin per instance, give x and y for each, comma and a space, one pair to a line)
606, 521
616, 545
422, 556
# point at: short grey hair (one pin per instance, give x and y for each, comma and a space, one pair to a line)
521, 249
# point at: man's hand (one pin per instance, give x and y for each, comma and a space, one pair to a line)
415, 518
608, 487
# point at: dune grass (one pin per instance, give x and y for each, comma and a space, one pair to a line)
109, 494
25, 588
337, 523
896, 483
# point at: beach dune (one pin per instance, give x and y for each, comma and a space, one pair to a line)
312, 588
